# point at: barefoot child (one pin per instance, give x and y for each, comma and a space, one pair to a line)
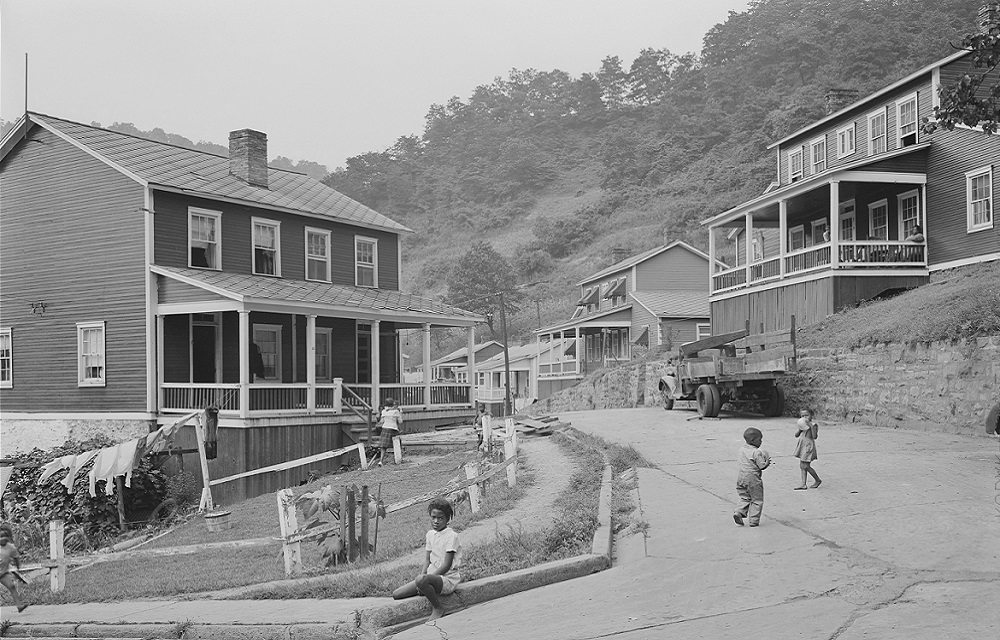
806, 430
392, 420
440, 573
752, 461
9, 555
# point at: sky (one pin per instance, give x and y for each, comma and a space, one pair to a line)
324, 79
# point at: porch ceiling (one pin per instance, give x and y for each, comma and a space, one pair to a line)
235, 291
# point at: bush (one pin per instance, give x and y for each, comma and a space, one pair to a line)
89, 521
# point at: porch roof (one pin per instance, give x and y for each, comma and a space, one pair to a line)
616, 317
674, 303
283, 295
852, 172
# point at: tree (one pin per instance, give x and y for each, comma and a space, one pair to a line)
974, 99
478, 280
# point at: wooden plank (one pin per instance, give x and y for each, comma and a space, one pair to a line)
282, 466
710, 342
767, 355
449, 488
763, 339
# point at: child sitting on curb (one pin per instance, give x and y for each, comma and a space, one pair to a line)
439, 575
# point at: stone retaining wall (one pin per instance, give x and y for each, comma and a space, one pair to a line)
941, 386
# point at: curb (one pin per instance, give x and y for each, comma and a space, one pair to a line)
369, 624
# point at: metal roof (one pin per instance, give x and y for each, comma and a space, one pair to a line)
204, 174
628, 263
463, 353
337, 297
674, 303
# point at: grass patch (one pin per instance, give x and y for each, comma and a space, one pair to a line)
958, 303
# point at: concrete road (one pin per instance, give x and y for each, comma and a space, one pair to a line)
901, 541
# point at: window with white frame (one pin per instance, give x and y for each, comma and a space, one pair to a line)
795, 165
317, 255
757, 246
877, 133
204, 245
266, 247
878, 220
847, 224
845, 141
324, 343
906, 121
817, 155
6, 359
90, 341
267, 337
365, 262
704, 330
979, 198
820, 232
796, 238
909, 212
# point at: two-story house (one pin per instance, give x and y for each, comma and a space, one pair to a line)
523, 363
140, 280
455, 365
657, 299
865, 204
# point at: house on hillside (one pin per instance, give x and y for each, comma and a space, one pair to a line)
524, 363
657, 299
455, 365
141, 280
840, 227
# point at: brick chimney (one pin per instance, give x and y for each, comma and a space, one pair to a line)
837, 99
248, 156
618, 254
989, 17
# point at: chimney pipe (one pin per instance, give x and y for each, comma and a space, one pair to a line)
248, 156
837, 99
989, 17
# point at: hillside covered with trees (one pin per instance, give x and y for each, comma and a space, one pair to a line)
554, 171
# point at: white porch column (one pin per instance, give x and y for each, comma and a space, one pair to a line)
579, 350
782, 233
311, 363
376, 363
562, 345
711, 260
471, 342
245, 346
159, 363
749, 244
834, 224
426, 332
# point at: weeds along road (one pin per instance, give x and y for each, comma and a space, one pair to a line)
901, 541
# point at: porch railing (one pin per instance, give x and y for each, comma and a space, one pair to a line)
882, 252
805, 259
182, 396
412, 395
561, 368
770, 268
735, 277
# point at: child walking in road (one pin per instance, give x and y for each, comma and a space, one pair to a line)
752, 460
440, 574
8, 556
392, 420
806, 430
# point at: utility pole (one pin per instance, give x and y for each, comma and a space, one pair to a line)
506, 357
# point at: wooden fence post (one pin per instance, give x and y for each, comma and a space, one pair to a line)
289, 525
363, 542
343, 516
57, 553
510, 451
397, 449
206, 503
471, 471
487, 432
364, 458
338, 395
352, 513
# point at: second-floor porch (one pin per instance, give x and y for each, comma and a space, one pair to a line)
850, 221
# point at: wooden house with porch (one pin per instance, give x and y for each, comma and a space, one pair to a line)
656, 299
140, 280
864, 205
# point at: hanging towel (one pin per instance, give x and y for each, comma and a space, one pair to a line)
103, 464
124, 464
5, 473
78, 463
52, 467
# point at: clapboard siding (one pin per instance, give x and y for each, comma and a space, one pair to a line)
170, 291
171, 240
952, 73
859, 116
641, 317
675, 268
674, 333
952, 155
73, 237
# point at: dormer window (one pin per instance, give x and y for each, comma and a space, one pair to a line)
877, 133
906, 117
845, 141
795, 165
817, 152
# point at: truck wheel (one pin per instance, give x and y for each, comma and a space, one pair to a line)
775, 405
709, 400
668, 402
